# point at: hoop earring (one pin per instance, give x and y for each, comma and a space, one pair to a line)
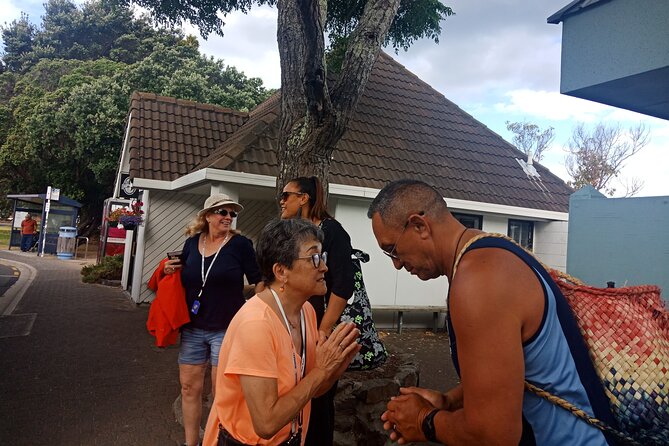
282, 287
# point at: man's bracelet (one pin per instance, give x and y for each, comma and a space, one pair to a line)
428, 426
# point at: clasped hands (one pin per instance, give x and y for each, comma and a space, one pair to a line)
335, 352
405, 413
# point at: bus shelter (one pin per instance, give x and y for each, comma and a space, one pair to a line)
62, 212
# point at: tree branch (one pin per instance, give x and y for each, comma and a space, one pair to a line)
364, 46
291, 41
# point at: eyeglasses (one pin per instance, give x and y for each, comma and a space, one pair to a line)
391, 253
224, 213
316, 258
283, 196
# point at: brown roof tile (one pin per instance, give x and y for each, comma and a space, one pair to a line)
402, 128
169, 137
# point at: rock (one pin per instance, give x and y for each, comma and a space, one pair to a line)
362, 398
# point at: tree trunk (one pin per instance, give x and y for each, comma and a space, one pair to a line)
313, 119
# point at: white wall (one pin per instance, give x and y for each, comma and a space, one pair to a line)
550, 243
385, 285
495, 223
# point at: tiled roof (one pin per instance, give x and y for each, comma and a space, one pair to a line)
169, 136
403, 128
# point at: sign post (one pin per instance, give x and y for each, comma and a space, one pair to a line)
45, 219
51, 194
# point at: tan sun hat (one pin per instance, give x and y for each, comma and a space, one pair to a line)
218, 200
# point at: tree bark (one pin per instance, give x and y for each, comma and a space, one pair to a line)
313, 119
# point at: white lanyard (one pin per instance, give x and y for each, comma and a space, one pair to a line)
204, 249
304, 349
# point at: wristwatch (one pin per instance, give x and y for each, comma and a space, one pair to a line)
428, 426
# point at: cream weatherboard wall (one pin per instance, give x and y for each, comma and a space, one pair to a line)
168, 215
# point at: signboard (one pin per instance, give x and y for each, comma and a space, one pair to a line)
55, 194
127, 189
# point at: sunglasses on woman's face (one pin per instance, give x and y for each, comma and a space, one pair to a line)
224, 213
283, 196
317, 258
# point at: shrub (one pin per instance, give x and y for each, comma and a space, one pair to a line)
109, 268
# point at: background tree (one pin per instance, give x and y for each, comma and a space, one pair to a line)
62, 116
530, 139
597, 156
315, 113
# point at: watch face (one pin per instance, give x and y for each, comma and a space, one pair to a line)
127, 186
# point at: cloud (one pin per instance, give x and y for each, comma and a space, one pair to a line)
550, 105
249, 44
489, 48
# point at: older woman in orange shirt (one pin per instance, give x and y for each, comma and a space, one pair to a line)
271, 364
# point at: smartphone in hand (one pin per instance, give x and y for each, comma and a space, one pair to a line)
175, 255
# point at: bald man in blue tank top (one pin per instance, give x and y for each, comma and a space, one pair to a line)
508, 323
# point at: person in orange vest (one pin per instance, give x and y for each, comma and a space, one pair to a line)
28, 231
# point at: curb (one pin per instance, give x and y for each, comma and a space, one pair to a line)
16, 291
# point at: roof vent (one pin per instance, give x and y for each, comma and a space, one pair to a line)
528, 168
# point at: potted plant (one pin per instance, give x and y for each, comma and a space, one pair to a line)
127, 218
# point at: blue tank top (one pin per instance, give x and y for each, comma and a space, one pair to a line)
556, 360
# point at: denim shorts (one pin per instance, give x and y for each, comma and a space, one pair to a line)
199, 346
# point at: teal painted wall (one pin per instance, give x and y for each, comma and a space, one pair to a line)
625, 240
613, 40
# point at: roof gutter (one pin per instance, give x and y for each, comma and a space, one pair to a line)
342, 190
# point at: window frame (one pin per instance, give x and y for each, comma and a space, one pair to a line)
524, 224
476, 217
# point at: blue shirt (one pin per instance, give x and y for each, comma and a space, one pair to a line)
556, 360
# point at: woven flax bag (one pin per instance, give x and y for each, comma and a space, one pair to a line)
627, 334
626, 331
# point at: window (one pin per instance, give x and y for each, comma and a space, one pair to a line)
469, 220
522, 232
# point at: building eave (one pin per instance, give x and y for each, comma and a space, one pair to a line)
338, 190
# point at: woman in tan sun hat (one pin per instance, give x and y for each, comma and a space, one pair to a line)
213, 263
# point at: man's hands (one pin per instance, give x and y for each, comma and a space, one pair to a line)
404, 417
405, 413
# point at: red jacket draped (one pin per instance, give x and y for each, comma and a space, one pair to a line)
168, 310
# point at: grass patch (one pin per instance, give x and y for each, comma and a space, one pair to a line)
5, 231
109, 268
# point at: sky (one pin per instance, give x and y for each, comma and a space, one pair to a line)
498, 60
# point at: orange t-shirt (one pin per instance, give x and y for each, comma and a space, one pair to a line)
28, 226
257, 344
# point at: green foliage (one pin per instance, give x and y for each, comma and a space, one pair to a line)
18, 39
204, 14
415, 19
5, 232
109, 268
97, 30
62, 117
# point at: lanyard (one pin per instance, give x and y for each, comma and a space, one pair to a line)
204, 249
304, 350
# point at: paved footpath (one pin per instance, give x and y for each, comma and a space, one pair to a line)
85, 372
